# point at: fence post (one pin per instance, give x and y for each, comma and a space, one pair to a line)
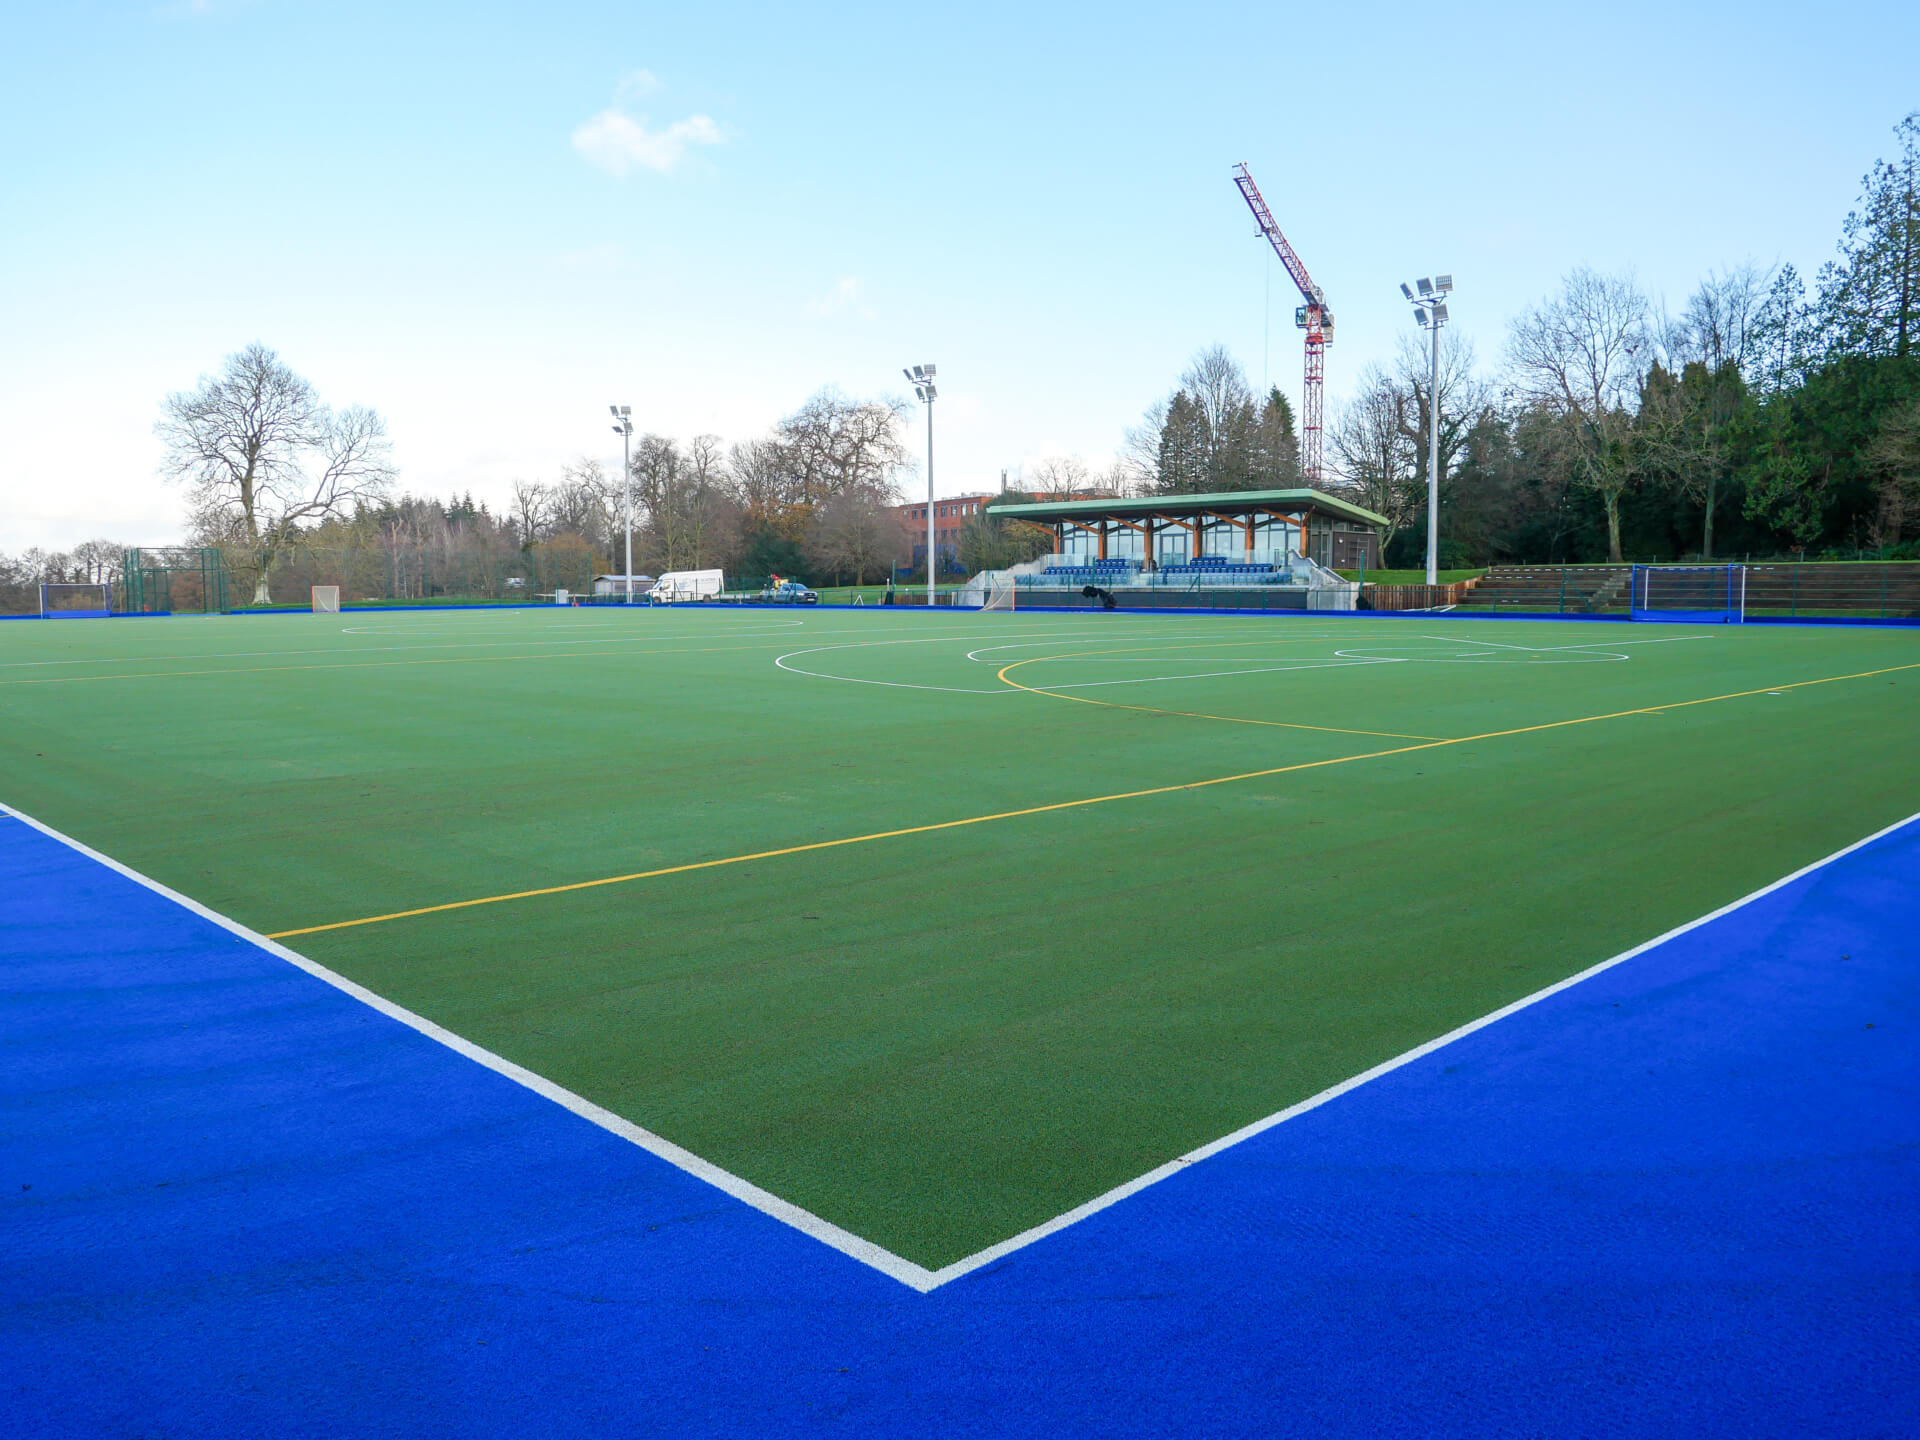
1563, 592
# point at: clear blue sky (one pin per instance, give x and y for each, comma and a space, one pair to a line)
489, 221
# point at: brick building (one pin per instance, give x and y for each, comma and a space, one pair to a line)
950, 514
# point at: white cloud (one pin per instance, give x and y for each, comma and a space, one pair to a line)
634, 84
844, 296
619, 143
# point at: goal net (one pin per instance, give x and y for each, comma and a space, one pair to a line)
1710, 594
1000, 592
326, 599
76, 602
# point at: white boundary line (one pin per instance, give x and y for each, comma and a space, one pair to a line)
825, 1231
916, 1277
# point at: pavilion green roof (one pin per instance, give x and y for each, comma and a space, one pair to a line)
1178, 506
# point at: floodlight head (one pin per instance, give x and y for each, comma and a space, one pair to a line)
909, 375
1443, 283
613, 409
1426, 285
1420, 314
626, 409
1406, 290
1440, 313
927, 392
929, 369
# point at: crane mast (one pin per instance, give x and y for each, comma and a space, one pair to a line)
1313, 317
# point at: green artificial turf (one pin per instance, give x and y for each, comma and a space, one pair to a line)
941, 1038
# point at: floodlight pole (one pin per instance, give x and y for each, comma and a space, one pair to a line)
932, 565
1433, 463
623, 423
1430, 313
921, 378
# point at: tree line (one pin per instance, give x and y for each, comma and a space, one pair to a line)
1767, 416
287, 487
1770, 414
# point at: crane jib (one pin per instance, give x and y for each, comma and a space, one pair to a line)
1314, 317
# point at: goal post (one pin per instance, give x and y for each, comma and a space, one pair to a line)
85, 601
326, 599
1697, 594
1002, 592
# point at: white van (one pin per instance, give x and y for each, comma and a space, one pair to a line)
677, 586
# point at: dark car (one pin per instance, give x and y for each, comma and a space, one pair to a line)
789, 592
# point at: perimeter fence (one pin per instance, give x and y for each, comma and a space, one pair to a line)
398, 575
1805, 590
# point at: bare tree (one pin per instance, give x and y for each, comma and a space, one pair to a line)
714, 506
1722, 319
685, 500
1374, 454
1059, 475
1579, 357
1217, 388
260, 456
1464, 399
578, 505
1139, 458
1380, 438
764, 483
833, 444
530, 505
98, 561
856, 533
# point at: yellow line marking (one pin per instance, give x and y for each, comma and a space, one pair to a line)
1185, 714
1058, 805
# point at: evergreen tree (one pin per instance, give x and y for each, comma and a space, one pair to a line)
1783, 335
1870, 297
1276, 450
1184, 447
1806, 454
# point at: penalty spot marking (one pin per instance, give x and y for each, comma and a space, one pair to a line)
878, 1257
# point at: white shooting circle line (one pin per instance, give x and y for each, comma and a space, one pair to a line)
780, 661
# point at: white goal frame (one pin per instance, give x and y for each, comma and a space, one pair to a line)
1697, 594
1003, 592
326, 599
52, 590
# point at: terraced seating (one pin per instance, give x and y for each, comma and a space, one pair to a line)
1212, 565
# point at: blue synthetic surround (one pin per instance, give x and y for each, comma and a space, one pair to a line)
1681, 1198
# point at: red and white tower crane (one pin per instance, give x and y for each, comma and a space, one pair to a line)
1313, 317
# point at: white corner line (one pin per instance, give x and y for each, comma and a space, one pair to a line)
1385, 1067
878, 1257
805, 1221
